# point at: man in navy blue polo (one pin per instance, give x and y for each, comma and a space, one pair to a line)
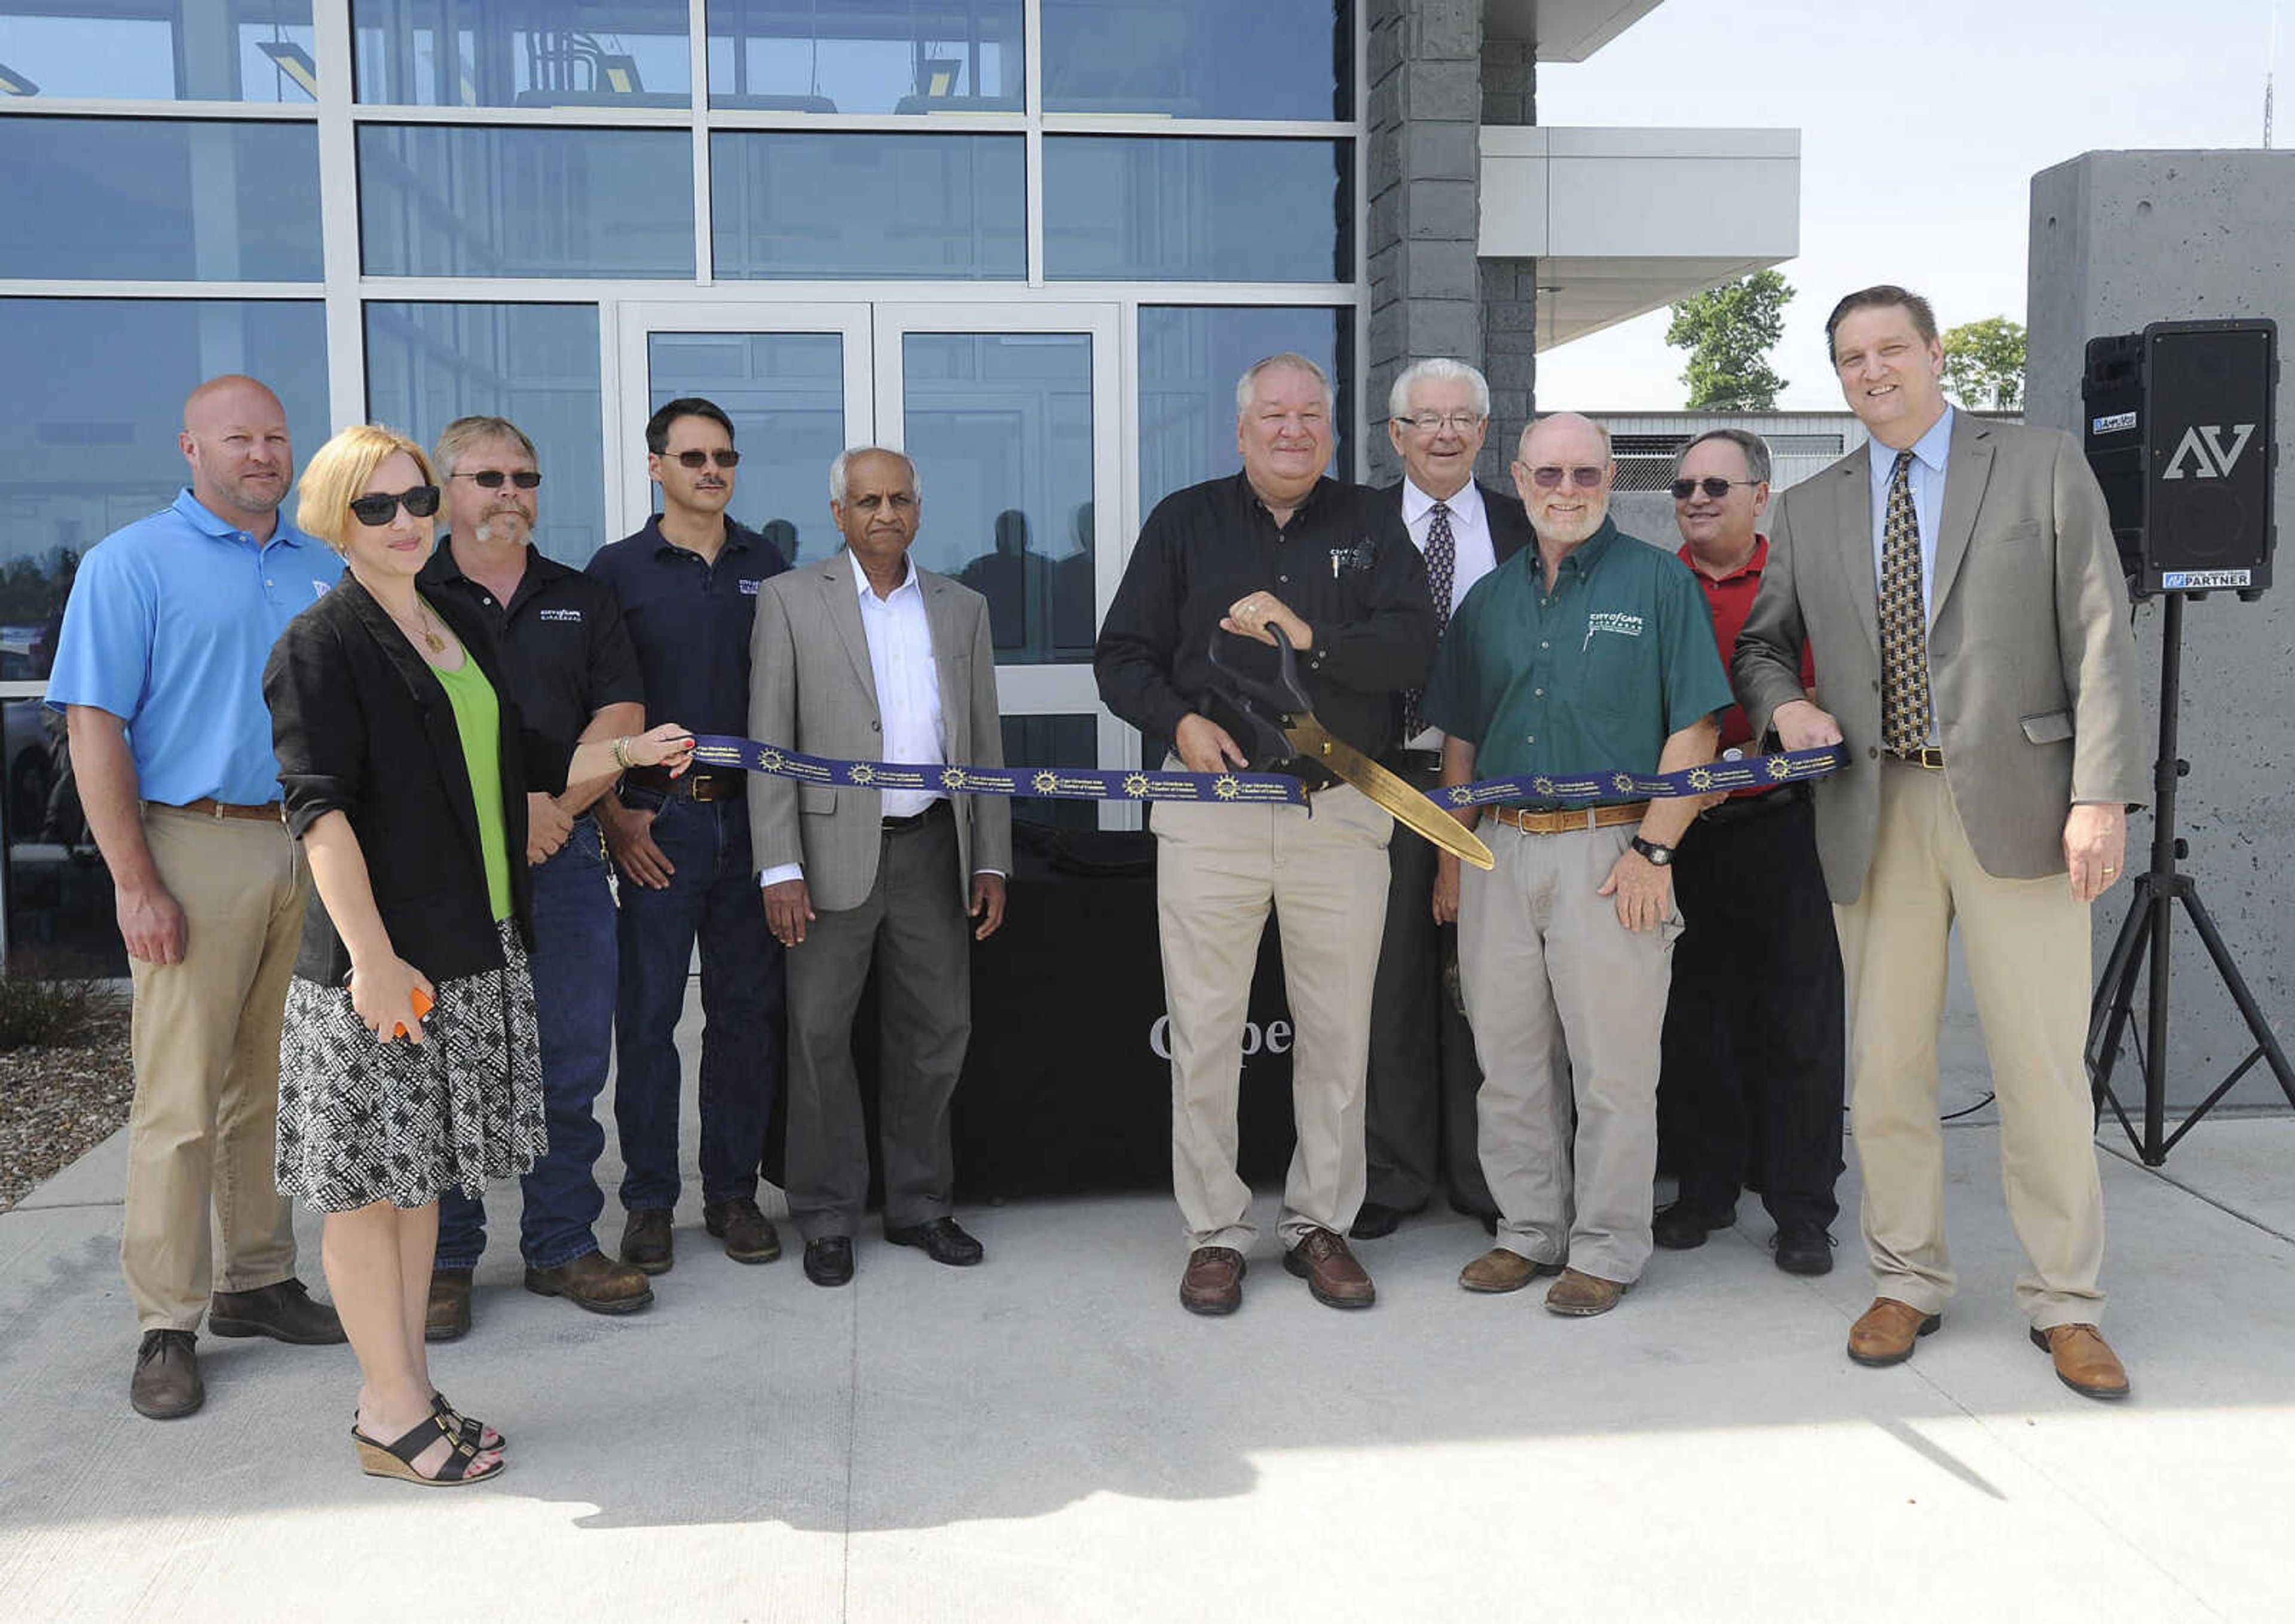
160, 675
687, 585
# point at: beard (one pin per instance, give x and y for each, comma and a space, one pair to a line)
1570, 532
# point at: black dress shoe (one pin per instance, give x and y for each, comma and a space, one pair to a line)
828, 1260
1375, 1220
1804, 1248
167, 1383
645, 1240
1681, 1226
283, 1312
944, 1241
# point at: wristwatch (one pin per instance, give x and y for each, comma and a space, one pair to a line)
1658, 855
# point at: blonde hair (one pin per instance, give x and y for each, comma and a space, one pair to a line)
339, 474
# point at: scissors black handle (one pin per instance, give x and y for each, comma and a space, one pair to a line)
1264, 705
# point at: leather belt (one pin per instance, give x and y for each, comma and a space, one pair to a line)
1417, 760
1927, 755
1561, 821
916, 820
208, 806
1744, 809
691, 786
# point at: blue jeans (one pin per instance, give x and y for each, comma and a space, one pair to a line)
573, 967
712, 897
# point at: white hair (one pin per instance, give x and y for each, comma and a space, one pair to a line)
1287, 358
1524, 441
844, 463
1436, 369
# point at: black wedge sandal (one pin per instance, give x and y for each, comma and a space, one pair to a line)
397, 1459
472, 1431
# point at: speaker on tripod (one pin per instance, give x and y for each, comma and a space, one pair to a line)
2178, 423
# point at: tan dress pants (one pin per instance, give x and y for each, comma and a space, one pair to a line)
1567, 1005
1219, 869
204, 1126
2026, 942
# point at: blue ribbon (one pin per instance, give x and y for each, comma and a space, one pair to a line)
1260, 788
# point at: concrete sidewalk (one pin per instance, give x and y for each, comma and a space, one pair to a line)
1049, 1436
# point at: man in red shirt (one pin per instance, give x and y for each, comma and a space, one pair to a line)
1752, 1060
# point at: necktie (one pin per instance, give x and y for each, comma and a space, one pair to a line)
1442, 571
1904, 713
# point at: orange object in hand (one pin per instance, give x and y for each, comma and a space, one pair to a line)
421, 1002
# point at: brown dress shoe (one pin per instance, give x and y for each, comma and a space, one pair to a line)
1885, 1333
1330, 1271
595, 1282
1214, 1282
2084, 1361
285, 1312
166, 1381
448, 1315
1579, 1295
1500, 1270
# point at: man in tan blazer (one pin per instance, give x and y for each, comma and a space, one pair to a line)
1959, 581
866, 656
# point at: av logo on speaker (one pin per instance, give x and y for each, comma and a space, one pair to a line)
2204, 446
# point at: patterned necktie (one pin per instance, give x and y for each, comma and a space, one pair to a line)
1442, 571
1904, 714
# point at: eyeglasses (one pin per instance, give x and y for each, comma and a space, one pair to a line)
491, 478
1714, 487
1549, 477
1436, 422
376, 509
697, 459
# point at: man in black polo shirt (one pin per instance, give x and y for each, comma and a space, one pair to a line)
573, 675
687, 585
1331, 564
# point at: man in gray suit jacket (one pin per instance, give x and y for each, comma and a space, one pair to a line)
865, 657
1959, 582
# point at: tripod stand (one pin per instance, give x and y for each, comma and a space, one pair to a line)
2150, 916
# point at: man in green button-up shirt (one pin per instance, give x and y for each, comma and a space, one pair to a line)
1594, 652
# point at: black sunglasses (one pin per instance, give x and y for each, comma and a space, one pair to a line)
420, 503
491, 478
695, 458
1714, 487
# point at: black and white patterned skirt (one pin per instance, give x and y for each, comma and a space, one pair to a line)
362, 1121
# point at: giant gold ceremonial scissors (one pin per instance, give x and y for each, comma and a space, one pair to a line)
1279, 725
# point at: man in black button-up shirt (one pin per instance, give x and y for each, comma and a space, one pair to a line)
687, 583
1331, 564
575, 676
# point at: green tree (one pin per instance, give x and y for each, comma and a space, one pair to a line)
1984, 363
1728, 332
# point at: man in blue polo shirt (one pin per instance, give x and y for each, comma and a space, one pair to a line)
159, 671
687, 585
1593, 651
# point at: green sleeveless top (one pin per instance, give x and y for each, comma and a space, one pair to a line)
477, 718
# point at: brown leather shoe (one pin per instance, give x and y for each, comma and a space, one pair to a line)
646, 1242
1330, 1271
1500, 1270
2084, 1361
1885, 1333
1214, 1282
448, 1315
166, 1381
285, 1312
1579, 1295
749, 1235
592, 1281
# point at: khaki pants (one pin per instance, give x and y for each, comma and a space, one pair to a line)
1219, 869
2027, 947
1566, 1005
204, 1127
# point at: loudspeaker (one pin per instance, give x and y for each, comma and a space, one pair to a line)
2179, 426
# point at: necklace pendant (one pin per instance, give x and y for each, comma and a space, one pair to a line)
438, 644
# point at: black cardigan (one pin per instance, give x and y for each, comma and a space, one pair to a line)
363, 726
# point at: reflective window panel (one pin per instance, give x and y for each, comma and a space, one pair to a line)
159, 50
522, 53
91, 448
534, 365
791, 204
1000, 425
1190, 357
436, 200
1152, 208
785, 392
149, 200
1053, 742
1200, 59
866, 56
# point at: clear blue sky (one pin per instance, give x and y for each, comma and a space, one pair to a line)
1923, 123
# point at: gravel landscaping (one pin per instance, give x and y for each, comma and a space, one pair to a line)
59, 1098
